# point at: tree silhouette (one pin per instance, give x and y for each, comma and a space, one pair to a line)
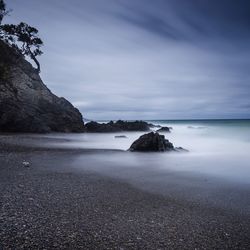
3, 11
26, 36
22, 37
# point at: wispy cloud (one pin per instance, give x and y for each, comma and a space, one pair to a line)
145, 59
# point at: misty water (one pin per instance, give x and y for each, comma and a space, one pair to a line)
216, 170
216, 148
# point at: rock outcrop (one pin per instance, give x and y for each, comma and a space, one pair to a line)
153, 142
118, 126
95, 127
26, 104
164, 129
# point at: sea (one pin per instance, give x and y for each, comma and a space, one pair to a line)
214, 171
219, 148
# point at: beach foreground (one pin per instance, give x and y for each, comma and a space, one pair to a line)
50, 204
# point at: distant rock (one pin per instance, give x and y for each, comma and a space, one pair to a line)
164, 129
118, 126
26, 104
121, 136
132, 125
180, 149
95, 127
151, 142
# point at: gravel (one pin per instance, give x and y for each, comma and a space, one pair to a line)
45, 206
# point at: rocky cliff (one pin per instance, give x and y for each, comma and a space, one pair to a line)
26, 104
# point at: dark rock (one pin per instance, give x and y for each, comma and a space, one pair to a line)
164, 129
121, 136
118, 126
26, 104
132, 126
180, 149
152, 142
101, 127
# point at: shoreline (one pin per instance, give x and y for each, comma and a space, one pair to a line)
54, 206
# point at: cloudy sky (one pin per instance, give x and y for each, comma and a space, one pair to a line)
144, 59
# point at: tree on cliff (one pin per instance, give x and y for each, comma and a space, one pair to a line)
3, 10
22, 37
26, 36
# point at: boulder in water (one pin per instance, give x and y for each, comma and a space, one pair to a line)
164, 129
151, 142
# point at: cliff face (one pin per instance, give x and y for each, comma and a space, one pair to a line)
26, 104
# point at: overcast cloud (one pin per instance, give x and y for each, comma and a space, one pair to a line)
143, 59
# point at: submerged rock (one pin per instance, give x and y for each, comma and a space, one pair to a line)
153, 142
180, 149
164, 129
121, 136
26, 104
118, 126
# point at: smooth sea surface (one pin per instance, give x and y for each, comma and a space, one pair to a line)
215, 171
219, 148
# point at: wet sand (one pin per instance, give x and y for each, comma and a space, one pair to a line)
54, 205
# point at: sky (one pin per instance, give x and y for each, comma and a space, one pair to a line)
144, 59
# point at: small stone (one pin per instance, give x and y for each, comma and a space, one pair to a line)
26, 164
